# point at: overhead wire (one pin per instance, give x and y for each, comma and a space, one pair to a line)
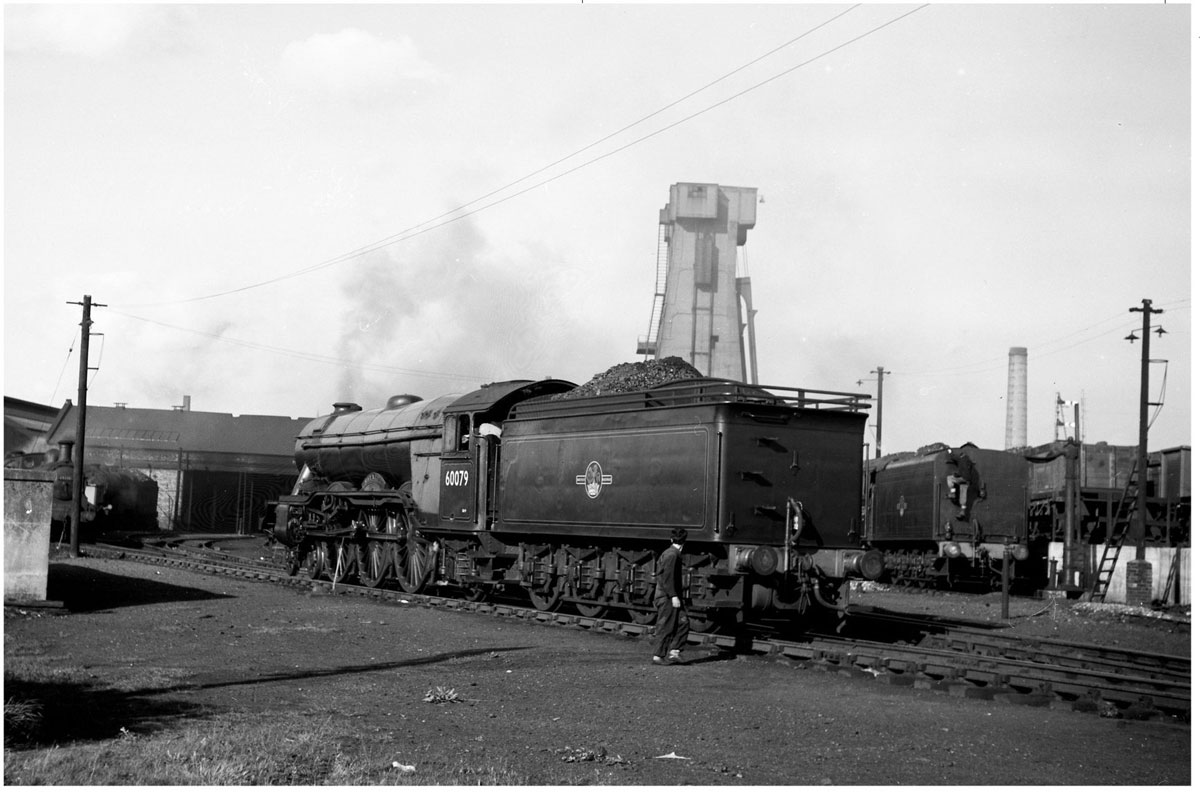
95, 371
631, 124
61, 372
305, 355
1162, 396
442, 220
996, 362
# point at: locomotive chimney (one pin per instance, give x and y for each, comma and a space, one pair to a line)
64, 451
346, 408
1015, 424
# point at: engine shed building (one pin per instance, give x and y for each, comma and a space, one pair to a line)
25, 425
214, 471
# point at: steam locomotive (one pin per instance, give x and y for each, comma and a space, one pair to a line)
524, 484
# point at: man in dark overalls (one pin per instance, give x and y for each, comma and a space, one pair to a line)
671, 631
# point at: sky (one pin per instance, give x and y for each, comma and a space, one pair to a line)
279, 207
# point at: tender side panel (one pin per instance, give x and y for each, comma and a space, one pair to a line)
617, 482
813, 458
907, 501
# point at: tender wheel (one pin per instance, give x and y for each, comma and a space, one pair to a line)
597, 610
414, 559
545, 599
642, 616
477, 592
592, 610
708, 621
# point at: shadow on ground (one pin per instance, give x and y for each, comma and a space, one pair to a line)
47, 713
83, 589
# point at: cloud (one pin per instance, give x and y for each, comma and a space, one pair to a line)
353, 62
96, 31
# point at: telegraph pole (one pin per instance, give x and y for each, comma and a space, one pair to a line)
77, 483
879, 373
1139, 572
1143, 427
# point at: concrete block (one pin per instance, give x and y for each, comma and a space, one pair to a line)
28, 496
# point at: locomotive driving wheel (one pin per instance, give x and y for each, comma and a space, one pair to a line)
340, 562
374, 564
414, 558
375, 556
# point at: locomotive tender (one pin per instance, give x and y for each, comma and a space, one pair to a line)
946, 517
572, 498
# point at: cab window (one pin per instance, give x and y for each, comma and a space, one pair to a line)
456, 434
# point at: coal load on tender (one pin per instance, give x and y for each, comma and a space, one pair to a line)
633, 376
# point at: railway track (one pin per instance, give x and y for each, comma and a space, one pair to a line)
968, 662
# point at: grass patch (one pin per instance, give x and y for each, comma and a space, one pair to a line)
126, 723
264, 750
22, 720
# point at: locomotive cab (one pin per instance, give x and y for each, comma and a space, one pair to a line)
472, 429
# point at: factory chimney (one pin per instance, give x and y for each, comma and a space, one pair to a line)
1016, 421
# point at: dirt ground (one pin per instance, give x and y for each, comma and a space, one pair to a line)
164, 646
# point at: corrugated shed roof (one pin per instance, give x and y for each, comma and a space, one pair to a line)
195, 431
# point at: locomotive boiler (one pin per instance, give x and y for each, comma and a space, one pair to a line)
522, 484
946, 517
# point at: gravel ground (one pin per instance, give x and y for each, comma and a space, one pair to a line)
168, 645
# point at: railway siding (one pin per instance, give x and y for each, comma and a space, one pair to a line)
1090, 678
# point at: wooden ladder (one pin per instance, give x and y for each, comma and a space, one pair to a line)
1173, 574
1116, 539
